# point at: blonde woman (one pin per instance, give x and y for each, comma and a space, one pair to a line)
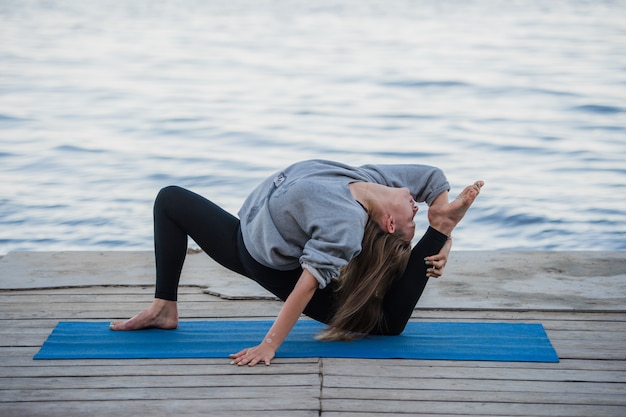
331, 240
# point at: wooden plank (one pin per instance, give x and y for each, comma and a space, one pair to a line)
335, 382
260, 310
608, 337
454, 314
26, 331
467, 408
147, 290
336, 363
13, 298
588, 343
23, 357
9, 300
510, 374
14, 324
419, 313
291, 397
502, 396
65, 307
575, 352
365, 413
198, 407
117, 368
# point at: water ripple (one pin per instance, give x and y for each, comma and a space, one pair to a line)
596, 108
425, 84
70, 149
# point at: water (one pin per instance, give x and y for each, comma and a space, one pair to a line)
102, 103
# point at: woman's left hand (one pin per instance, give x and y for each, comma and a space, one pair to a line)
251, 356
437, 262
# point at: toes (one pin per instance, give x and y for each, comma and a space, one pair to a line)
116, 325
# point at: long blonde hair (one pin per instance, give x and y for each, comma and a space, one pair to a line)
363, 283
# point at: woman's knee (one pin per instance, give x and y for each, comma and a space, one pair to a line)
167, 194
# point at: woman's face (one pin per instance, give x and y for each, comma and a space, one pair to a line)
403, 211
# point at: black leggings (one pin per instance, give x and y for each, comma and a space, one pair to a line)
179, 213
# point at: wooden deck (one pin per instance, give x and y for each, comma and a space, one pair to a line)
590, 380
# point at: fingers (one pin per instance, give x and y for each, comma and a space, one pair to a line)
436, 267
434, 273
250, 357
435, 263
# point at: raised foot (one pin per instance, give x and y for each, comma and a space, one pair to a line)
444, 217
162, 314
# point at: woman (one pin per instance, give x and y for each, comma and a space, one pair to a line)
332, 241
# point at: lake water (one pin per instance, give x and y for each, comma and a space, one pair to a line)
102, 103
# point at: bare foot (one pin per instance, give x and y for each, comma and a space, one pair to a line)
444, 216
162, 314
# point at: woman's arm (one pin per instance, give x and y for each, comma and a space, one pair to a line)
287, 318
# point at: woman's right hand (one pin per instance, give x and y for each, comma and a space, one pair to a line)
251, 356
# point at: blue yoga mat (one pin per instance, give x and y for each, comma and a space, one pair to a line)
218, 339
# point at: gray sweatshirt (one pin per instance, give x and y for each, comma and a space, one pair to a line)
305, 215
